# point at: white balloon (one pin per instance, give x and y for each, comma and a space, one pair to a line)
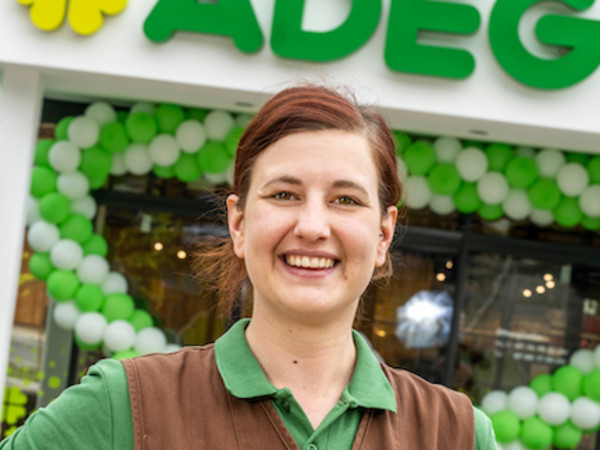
494, 401
85, 205
42, 236
523, 401
65, 314
170, 348
515, 445
549, 161
119, 335
492, 188
83, 131
441, 204
541, 217
114, 282
118, 166
589, 200
33, 211
597, 356
143, 107
516, 205
583, 359
137, 159
218, 124
66, 254
93, 269
585, 413
89, 327
525, 152
418, 193
74, 185
216, 178
164, 150
64, 157
242, 120
572, 179
150, 340
101, 112
190, 136
230, 171
401, 169
554, 408
471, 164
447, 149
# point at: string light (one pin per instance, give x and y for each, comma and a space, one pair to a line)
550, 284
158, 246
527, 293
441, 277
548, 277
449, 264
181, 254
540, 289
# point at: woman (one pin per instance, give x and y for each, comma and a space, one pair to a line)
311, 218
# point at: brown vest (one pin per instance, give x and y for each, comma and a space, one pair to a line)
179, 401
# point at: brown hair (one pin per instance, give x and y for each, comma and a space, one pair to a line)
293, 110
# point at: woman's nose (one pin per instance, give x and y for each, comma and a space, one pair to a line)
312, 222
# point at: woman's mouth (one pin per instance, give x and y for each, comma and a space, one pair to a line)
309, 262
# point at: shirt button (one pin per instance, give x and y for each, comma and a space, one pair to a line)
285, 405
311, 447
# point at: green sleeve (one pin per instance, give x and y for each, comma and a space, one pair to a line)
485, 439
95, 414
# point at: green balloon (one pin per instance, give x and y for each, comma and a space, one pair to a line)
213, 157
85, 346
591, 385
420, 158
490, 212
141, 127
41, 266
567, 435
77, 227
593, 168
97, 180
498, 156
43, 181
55, 207
521, 172
169, 117
466, 198
578, 158
544, 194
95, 162
590, 223
113, 137
164, 172
444, 179
62, 284
95, 245
122, 116
89, 297
541, 384
535, 433
506, 425
125, 354
568, 213
42, 148
62, 128
140, 319
568, 380
232, 139
117, 306
198, 114
402, 142
187, 168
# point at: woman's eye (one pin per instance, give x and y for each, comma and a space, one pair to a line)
344, 200
283, 196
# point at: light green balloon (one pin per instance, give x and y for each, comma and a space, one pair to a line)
402, 141
113, 137
140, 319
125, 354
541, 384
593, 168
232, 139
95, 162
521, 172
498, 156
117, 306
544, 194
444, 179
420, 158
43, 181
213, 157
76, 227
62, 127
490, 212
42, 148
535, 433
97, 180
85, 346
141, 127
62, 284
187, 168
198, 114
95, 245
89, 297
55, 207
568, 213
169, 117
567, 435
506, 425
591, 385
466, 198
41, 266
590, 223
166, 173
578, 158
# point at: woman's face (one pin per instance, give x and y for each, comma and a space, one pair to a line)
312, 230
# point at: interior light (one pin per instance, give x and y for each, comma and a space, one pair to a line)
449, 264
381, 333
527, 293
548, 277
441, 277
540, 289
550, 284
181, 254
158, 246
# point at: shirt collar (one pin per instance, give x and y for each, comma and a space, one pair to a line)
244, 378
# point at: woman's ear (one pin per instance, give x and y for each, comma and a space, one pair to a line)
386, 234
235, 221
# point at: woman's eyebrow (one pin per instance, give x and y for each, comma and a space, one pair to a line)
286, 179
350, 184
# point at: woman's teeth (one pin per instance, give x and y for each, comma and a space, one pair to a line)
308, 262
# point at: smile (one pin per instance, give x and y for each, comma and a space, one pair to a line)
309, 262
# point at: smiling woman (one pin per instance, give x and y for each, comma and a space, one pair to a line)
311, 217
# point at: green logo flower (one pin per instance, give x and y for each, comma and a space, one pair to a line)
14, 409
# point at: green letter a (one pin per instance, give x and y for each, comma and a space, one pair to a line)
288, 40
233, 18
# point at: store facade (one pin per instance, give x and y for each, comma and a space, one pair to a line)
472, 71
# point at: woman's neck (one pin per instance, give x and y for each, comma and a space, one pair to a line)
315, 363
